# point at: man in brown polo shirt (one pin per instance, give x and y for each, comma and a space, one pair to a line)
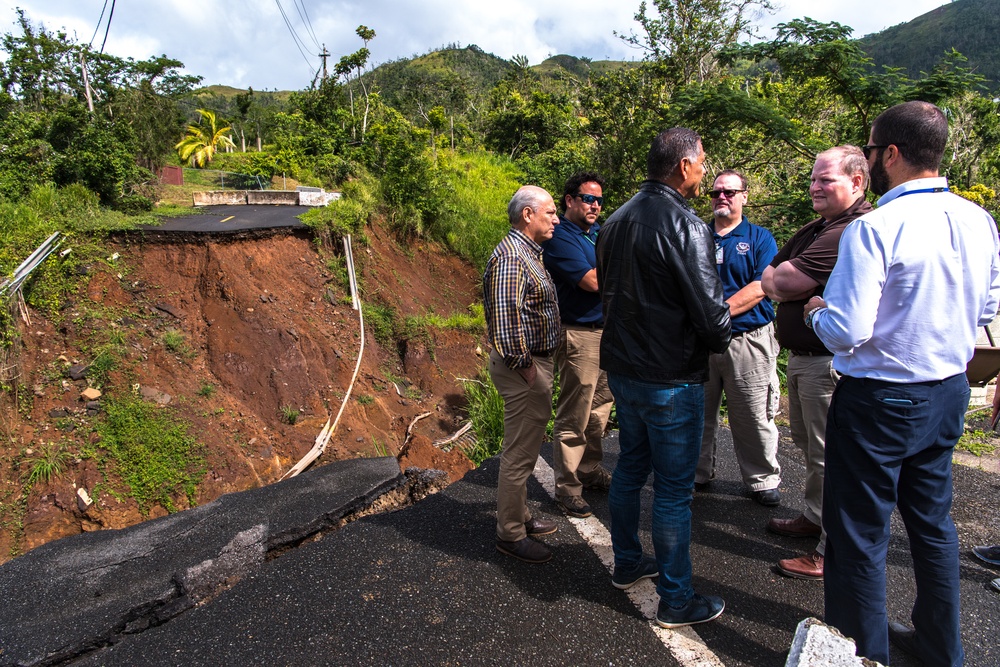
799, 272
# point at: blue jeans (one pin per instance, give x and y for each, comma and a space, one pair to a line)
890, 444
660, 429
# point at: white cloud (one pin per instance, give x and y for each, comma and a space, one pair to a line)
246, 42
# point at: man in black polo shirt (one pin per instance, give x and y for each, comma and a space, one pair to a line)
799, 272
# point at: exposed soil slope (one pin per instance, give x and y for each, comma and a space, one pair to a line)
267, 327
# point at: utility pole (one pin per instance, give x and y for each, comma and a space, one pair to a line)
324, 55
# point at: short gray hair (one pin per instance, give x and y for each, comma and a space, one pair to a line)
851, 161
527, 196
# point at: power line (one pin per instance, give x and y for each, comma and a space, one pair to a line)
300, 7
98, 26
299, 44
111, 15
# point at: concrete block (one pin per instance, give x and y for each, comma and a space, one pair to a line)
220, 197
817, 644
317, 198
273, 197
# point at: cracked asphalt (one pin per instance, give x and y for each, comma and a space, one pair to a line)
424, 586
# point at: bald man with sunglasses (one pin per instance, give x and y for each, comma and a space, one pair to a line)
746, 370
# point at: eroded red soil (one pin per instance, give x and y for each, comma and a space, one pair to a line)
269, 327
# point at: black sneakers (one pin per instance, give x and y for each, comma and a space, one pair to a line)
628, 577
699, 609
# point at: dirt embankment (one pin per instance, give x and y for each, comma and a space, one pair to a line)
265, 330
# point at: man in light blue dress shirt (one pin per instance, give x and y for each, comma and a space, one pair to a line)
914, 281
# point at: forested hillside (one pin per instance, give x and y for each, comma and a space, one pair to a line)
968, 26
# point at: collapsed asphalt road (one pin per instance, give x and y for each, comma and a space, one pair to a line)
424, 585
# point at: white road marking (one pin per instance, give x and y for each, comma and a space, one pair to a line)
683, 643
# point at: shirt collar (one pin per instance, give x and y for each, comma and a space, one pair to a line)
523, 238
938, 182
567, 224
742, 229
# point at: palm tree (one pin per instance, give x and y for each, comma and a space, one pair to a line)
203, 140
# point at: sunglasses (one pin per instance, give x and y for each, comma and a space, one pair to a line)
590, 199
868, 148
715, 194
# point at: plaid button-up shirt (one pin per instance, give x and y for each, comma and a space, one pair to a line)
519, 300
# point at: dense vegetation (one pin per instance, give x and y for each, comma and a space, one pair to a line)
436, 144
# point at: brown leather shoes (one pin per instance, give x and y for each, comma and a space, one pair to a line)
800, 526
809, 566
540, 526
528, 550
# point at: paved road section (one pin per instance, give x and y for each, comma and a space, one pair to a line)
424, 585
231, 219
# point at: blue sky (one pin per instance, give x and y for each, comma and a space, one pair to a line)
247, 43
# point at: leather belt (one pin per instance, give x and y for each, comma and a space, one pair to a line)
811, 354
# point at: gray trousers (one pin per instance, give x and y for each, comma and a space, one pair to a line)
746, 373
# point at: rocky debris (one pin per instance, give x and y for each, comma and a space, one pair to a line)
90, 394
77, 371
169, 310
58, 413
155, 395
83, 499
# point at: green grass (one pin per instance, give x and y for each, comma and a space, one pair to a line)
175, 342
289, 415
365, 399
46, 463
474, 218
150, 450
485, 406
206, 390
977, 442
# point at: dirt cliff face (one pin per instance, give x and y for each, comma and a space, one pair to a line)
233, 336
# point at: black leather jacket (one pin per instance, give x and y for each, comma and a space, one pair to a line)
664, 310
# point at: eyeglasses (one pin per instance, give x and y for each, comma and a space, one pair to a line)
590, 199
867, 149
715, 194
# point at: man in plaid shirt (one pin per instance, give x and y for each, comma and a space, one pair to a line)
522, 322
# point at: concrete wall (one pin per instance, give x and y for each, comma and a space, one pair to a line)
317, 198
220, 197
270, 197
273, 197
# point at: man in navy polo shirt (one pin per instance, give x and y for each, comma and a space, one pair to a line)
746, 370
584, 399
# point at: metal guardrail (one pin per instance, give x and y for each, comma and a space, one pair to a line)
10, 286
232, 180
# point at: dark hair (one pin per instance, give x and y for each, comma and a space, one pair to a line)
572, 187
918, 129
733, 172
667, 151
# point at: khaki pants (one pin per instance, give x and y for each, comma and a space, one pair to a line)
583, 409
526, 412
746, 372
811, 381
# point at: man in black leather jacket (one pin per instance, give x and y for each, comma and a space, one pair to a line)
664, 312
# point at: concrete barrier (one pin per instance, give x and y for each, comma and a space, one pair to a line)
220, 197
307, 198
273, 197
817, 644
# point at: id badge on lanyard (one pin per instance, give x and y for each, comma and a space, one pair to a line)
718, 253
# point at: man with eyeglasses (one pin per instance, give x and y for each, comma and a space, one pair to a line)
917, 278
584, 398
664, 314
746, 370
798, 272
